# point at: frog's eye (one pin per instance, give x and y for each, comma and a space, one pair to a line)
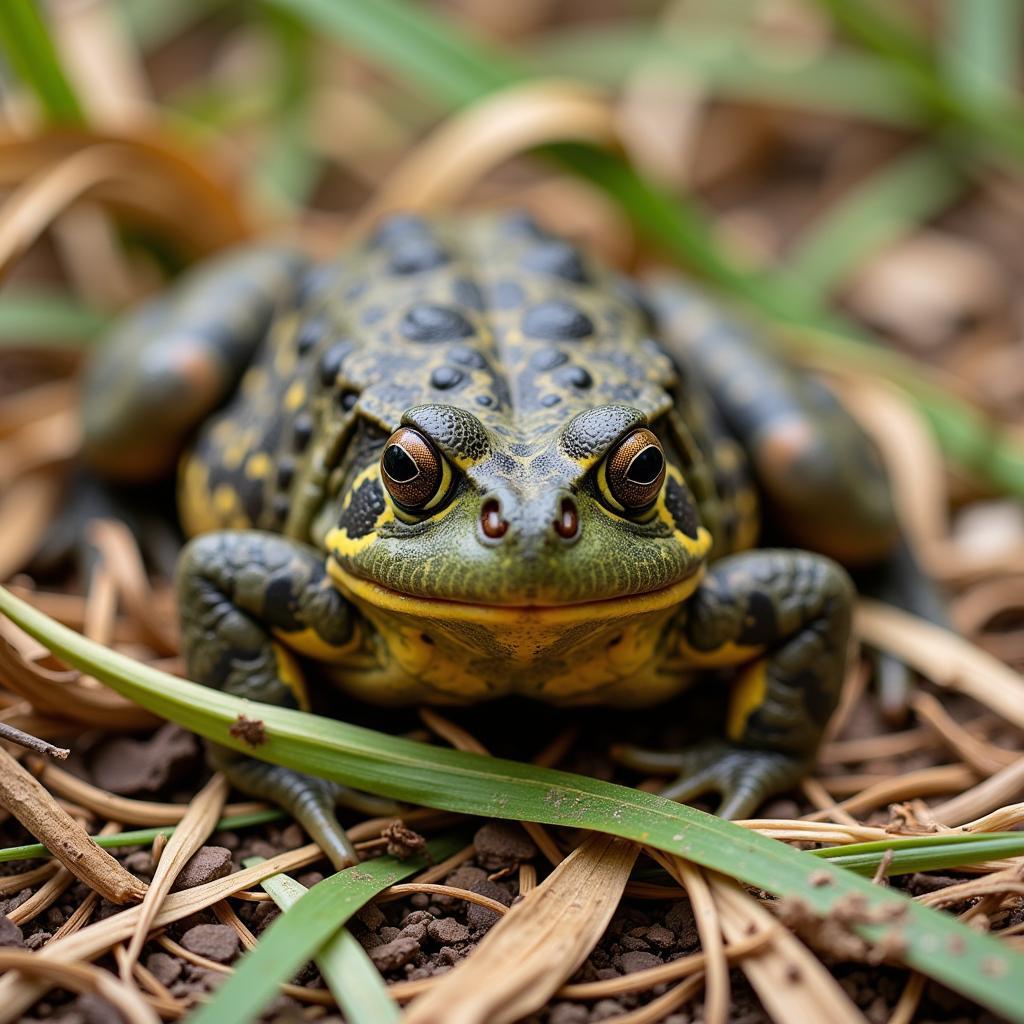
633, 472
416, 475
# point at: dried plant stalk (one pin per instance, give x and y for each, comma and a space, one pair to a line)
37, 810
531, 951
790, 981
203, 813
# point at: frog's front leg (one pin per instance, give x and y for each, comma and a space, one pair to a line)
784, 616
248, 600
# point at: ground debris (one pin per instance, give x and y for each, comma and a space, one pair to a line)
833, 934
249, 730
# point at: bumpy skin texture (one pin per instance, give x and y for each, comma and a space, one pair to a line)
524, 365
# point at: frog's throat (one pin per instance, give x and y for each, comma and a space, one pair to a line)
366, 592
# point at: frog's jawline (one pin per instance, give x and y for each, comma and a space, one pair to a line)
373, 594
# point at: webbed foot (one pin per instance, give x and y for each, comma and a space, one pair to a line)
311, 801
744, 777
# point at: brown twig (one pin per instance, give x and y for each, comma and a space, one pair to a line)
30, 742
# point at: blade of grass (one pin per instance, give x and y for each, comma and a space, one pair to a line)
925, 853
984, 969
981, 48
31, 317
752, 70
29, 50
905, 192
349, 973
140, 836
296, 936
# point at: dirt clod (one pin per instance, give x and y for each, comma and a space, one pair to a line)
10, 933
131, 767
446, 931
248, 730
394, 954
502, 844
207, 864
216, 942
164, 967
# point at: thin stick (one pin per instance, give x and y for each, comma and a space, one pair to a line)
30, 742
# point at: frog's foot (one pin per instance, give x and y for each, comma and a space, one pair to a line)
311, 801
743, 776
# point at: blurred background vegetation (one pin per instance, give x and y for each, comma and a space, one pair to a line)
848, 170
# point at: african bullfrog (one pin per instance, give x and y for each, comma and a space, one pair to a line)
465, 461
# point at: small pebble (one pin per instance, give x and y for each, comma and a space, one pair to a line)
217, 942
207, 864
10, 933
501, 844
636, 960
165, 968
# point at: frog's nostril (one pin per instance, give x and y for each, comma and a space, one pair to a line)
567, 525
491, 521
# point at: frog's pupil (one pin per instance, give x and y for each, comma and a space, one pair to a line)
399, 464
646, 466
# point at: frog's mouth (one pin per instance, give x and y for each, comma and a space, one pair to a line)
366, 592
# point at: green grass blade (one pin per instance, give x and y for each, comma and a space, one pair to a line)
33, 317
295, 937
905, 192
842, 81
29, 50
982, 968
355, 983
139, 836
925, 853
981, 48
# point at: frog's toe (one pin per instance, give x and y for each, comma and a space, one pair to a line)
311, 801
744, 777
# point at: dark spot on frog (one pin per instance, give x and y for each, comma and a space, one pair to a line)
429, 322
557, 258
548, 359
575, 376
357, 290
556, 318
467, 357
309, 335
302, 431
445, 377
519, 222
467, 293
285, 472
397, 226
372, 315
507, 295
416, 253
485, 400
330, 362
549, 400
522, 450
348, 398
427, 639
759, 620
279, 603
314, 283
363, 510
680, 506
280, 506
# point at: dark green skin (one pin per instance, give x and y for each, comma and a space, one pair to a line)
255, 581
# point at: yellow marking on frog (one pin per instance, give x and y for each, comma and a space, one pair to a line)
338, 540
747, 698
258, 466
309, 643
225, 499
284, 360
254, 381
197, 514
290, 674
233, 454
720, 657
295, 396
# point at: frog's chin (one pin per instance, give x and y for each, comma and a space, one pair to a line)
367, 593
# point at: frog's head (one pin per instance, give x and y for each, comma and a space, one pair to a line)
449, 516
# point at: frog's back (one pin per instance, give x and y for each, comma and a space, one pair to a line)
489, 314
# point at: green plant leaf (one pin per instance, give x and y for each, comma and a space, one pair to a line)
296, 936
54, 318
355, 983
752, 70
982, 967
925, 853
905, 192
30, 52
139, 836
981, 48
